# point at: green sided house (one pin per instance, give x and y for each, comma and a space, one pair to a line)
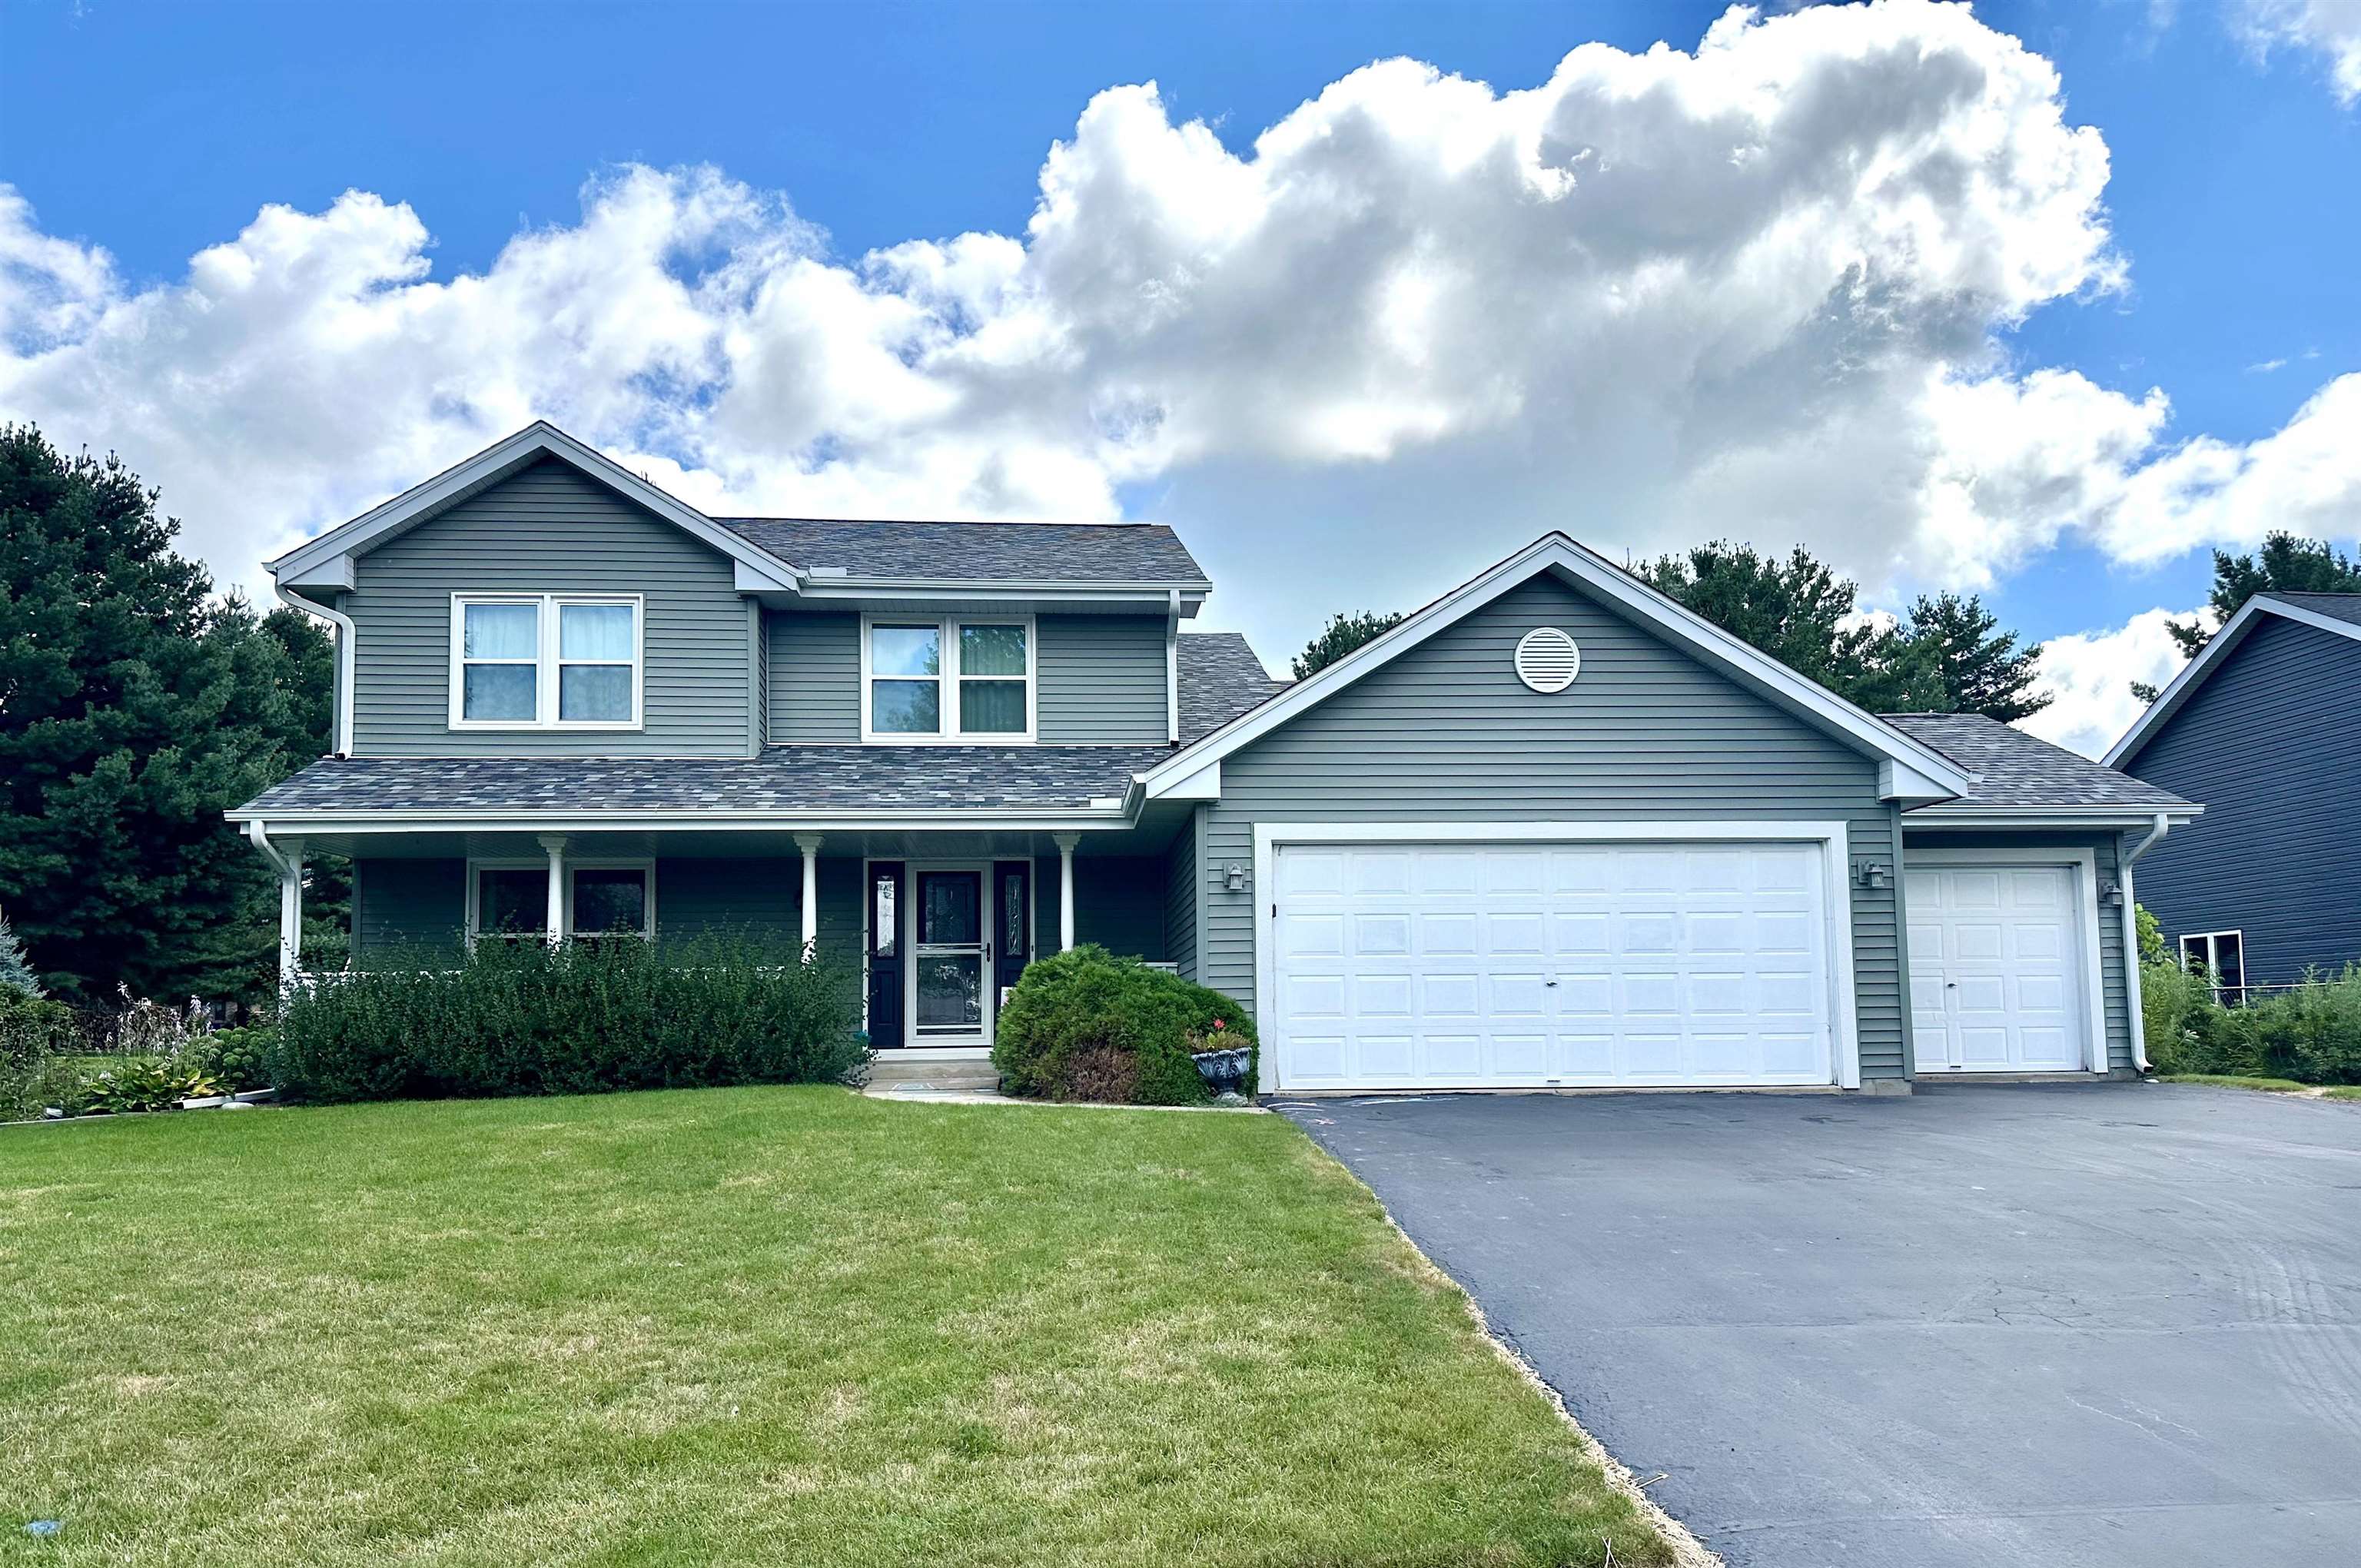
1552, 830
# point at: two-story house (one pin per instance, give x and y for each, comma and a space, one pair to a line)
2268, 885
1552, 830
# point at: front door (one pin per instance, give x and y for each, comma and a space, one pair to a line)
950, 957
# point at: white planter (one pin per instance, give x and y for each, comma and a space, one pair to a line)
204, 1102
255, 1096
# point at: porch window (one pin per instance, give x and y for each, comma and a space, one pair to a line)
510, 902
2220, 958
611, 901
545, 660
948, 680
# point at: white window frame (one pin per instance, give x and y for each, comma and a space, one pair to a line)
541, 864
546, 662
2212, 940
946, 628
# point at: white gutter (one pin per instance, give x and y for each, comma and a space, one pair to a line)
2162, 826
341, 740
261, 838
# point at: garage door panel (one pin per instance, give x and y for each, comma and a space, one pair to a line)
1996, 969
1507, 963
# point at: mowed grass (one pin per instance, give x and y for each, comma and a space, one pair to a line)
766, 1325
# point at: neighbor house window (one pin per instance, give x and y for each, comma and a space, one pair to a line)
511, 900
545, 660
2220, 958
948, 680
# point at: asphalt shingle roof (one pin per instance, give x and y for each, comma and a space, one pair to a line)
982, 552
1220, 678
2020, 770
784, 778
2336, 607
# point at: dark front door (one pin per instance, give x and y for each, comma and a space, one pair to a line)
885, 878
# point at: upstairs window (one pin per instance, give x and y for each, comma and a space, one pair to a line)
947, 680
2220, 958
545, 660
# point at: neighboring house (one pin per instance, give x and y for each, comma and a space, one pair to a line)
1551, 830
2262, 723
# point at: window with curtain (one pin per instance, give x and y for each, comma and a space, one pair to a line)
950, 679
545, 660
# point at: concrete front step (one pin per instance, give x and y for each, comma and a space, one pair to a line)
972, 1074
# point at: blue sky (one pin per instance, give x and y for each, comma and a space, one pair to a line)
156, 131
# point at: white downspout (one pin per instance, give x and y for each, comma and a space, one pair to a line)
342, 740
289, 867
2131, 934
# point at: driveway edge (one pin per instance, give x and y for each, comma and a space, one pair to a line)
1688, 1552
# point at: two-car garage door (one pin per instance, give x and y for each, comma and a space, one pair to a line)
1468, 965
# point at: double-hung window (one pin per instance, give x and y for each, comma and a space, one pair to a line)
2220, 958
954, 679
545, 660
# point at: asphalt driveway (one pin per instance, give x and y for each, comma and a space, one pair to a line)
2100, 1324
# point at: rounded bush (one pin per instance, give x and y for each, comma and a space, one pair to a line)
1085, 1024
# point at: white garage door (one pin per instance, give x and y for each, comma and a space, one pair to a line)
1996, 969
1431, 966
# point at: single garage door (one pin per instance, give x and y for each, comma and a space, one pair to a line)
1454, 966
1997, 980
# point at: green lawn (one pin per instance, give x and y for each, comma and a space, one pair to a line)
777, 1325
2232, 1081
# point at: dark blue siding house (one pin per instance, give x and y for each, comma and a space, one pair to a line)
2265, 726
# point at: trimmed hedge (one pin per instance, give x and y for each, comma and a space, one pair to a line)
527, 1018
1085, 1024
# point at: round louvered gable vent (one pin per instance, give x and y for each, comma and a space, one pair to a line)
1547, 659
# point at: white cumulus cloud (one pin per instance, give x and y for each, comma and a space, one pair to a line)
2090, 674
2331, 27
1760, 288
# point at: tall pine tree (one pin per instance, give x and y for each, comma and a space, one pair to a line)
1981, 668
135, 708
2286, 564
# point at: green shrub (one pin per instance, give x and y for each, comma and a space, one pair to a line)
2309, 1033
235, 1058
1085, 1024
137, 1083
526, 1018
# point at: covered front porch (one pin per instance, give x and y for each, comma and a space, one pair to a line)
939, 923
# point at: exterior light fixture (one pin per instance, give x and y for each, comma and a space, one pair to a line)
1234, 877
1873, 873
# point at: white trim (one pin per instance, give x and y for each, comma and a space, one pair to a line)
312, 560
947, 683
1676, 623
2133, 963
2193, 673
687, 819
1844, 1021
573, 864
1172, 672
2212, 940
2120, 818
547, 661
2085, 866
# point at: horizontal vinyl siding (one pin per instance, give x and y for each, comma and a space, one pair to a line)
815, 665
1101, 680
2114, 922
1180, 898
2268, 746
402, 905
548, 528
1118, 904
1446, 732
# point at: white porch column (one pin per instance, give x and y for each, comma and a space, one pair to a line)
556, 844
1065, 842
290, 912
809, 844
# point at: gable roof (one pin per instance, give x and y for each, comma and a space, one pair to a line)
313, 561
2337, 613
791, 554
1220, 677
1129, 553
1909, 769
2013, 770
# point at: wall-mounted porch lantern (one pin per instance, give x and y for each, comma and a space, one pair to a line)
1234, 877
1873, 873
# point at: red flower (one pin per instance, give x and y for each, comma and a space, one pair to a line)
1219, 1024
